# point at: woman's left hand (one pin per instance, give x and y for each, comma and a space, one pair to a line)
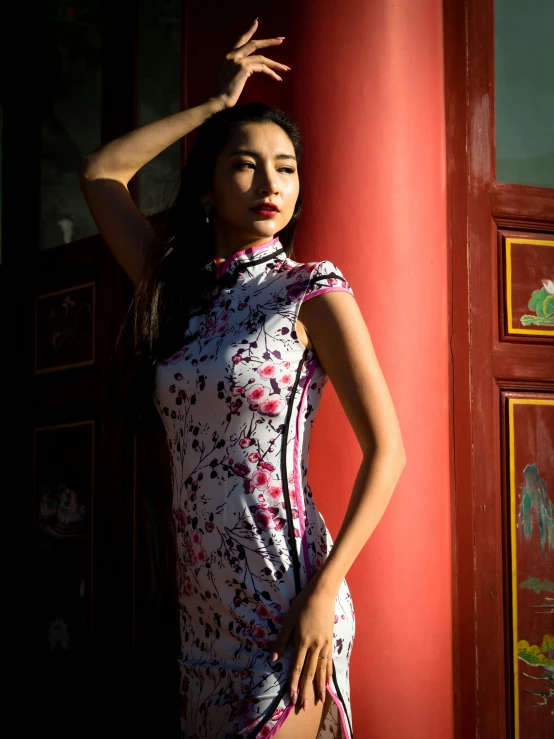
312, 618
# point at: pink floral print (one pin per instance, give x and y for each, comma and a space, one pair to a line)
238, 402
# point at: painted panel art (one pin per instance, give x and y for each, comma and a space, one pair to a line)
531, 481
64, 329
63, 525
529, 282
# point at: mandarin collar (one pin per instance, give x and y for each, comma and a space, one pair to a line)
250, 255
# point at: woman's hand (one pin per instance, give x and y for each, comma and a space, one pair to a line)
312, 618
238, 66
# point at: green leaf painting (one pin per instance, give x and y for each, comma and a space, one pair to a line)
536, 516
542, 302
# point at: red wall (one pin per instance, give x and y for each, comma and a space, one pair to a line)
367, 88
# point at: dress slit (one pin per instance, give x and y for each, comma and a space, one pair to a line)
345, 732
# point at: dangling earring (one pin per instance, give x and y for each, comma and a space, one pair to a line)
207, 211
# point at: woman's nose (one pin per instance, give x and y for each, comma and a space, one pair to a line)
268, 183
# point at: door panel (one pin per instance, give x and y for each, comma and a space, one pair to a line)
528, 525
528, 287
501, 238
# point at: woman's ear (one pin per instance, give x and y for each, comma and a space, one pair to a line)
206, 198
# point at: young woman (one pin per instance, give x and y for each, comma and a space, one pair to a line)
240, 340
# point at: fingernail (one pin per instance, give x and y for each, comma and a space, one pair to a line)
305, 704
280, 37
280, 78
294, 696
274, 656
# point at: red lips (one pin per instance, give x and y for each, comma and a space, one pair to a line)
266, 206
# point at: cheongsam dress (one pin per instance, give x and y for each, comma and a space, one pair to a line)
238, 403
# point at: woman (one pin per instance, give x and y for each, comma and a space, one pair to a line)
240, 349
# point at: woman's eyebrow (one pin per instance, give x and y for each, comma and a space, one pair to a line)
257, 154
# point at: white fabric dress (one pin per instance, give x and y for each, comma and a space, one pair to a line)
238, 403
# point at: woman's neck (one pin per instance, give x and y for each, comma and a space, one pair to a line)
226, 247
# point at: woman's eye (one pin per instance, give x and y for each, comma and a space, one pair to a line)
240, 165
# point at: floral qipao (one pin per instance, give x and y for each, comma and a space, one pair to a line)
238, 402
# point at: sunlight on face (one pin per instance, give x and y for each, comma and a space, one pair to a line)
258, 164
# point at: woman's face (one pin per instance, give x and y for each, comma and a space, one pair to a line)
257, 165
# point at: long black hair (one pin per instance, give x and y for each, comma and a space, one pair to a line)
179, 270
177, 278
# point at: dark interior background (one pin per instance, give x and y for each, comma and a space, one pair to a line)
89, 609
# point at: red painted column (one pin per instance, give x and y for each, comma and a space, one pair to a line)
367, 90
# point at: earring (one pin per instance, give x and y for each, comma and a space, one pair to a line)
207, 211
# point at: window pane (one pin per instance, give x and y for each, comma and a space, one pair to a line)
524, 90
159, 95
70, 78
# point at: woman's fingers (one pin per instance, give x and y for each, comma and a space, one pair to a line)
262, 43
296, 672
329, 668
247, 35
308, 674
250, 46
264, 65
239, 65
321, 677
264, 60
263, 68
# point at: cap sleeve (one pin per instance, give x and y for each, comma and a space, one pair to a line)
326, 277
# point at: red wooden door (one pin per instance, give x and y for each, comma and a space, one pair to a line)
502, 244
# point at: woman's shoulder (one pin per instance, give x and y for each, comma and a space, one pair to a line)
321, 276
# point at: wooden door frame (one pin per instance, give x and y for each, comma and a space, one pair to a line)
478, 208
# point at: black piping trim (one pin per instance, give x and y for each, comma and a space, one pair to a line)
271, 709
260, 260
337, 691
284, 477
319, 279
247, 263
324, 276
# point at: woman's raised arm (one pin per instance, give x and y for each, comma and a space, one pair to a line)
105, 173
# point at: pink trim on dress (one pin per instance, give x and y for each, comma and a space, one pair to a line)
281, 721
329, 289
296, 471
288, 709
223, 267
345, 731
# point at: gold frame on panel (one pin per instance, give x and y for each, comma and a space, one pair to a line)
65, 426
513, 541
60, 292
510, 330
